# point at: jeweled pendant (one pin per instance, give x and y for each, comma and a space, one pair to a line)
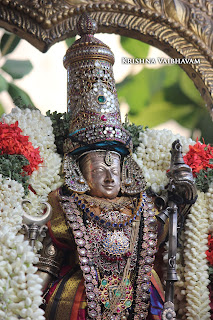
111, 292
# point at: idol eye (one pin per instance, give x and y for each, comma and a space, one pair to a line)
115, 172
96, 170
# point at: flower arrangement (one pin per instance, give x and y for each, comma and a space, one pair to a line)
200, 159
13, 142
36, 160
153, 155
46, 178
29, 161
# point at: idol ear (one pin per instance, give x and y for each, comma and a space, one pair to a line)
132, 179
74, 179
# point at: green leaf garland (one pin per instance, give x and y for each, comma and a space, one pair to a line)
12, 166
60, 123
134, 131
203, 179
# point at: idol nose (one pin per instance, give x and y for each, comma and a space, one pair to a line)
109, 177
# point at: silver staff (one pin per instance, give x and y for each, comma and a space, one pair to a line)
176, 203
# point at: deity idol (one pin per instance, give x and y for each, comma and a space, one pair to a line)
97, 260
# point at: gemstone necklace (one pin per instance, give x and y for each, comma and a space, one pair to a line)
111, 248
74, 218
105, 223
116, 292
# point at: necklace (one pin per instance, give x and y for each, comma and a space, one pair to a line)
111, 248
140, 302
114, 204
117, 294
85, 203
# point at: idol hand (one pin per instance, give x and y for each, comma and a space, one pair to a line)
35, 226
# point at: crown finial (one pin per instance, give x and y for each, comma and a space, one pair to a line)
86, 25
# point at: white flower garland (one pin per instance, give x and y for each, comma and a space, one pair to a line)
20, 287
196, 267
194, 276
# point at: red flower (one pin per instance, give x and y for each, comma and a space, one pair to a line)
13, 142
209, 253
198, 157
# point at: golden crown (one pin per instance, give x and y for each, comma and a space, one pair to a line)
92, 97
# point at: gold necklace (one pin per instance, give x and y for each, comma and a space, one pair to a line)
86, 203
107, 204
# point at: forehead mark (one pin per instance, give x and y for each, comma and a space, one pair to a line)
108, 159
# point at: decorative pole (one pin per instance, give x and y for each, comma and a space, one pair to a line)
175, 205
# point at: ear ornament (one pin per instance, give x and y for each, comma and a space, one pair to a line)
132, 179
74, 179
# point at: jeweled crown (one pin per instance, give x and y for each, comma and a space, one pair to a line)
92, 97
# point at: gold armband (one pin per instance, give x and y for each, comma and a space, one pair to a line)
50, 258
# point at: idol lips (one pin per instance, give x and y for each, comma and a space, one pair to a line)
108, 187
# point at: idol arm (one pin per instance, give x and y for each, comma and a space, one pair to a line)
50, 257
50, 262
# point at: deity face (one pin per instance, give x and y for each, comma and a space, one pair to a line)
102, 174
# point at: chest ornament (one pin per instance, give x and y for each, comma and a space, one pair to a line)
111, 295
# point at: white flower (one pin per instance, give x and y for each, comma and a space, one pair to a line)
153, 155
